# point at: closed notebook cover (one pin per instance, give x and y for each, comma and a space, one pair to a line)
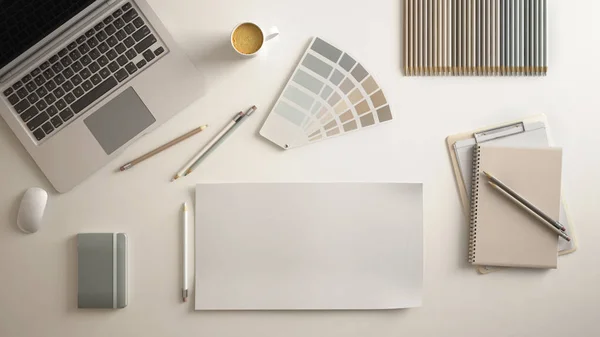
502, 233
101, 270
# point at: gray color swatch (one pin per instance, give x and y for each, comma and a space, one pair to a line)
333, 132
327, 50
336, 77
347, 85
367, 120
316, 65
315, 108
118, 121
295, 95
369, 85
334, 99
330, 125
359, 73
326, 92
384, 113
347, 62
290, 113
378, 99
350, 126
307, 81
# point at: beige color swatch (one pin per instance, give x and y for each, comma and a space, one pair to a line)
333, 132
366, 120
346, 116
341, 107
384, 113
355, 96
330, 125
350, 126
378, 99
362, 107
335, 97
369, 85
322, 112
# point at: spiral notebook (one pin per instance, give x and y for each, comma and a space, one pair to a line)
501, 233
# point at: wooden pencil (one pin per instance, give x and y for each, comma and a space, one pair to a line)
535, 36
405, 37
518, 34
544, 38
446, 39
162, 148
419, 35
411, 47
540, 36
478, 37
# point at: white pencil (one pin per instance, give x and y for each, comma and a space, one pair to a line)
184, 292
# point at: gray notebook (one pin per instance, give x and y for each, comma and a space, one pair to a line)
102, 270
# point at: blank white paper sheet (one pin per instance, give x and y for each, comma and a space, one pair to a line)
304, 246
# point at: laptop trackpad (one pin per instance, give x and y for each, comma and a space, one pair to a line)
119, 120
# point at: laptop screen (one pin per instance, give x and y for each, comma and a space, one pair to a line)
23, 23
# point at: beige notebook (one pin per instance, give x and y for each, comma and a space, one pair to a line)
503, 234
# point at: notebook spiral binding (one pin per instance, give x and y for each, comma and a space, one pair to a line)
474, 202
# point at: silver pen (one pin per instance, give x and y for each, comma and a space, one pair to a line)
525, 203
210, 147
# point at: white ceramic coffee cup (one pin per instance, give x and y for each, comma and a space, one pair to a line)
273, 31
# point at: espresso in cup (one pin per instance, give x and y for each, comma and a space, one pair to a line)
247, 38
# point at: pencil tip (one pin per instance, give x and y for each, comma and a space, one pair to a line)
175, 177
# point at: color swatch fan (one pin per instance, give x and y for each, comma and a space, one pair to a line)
329, 94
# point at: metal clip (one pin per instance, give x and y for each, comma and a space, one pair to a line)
503, 131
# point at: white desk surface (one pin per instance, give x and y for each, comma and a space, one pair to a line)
38, 282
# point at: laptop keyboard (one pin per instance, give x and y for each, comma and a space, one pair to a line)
90, 66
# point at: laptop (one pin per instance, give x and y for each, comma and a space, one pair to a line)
80, 80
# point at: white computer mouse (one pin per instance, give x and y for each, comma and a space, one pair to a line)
31, 210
